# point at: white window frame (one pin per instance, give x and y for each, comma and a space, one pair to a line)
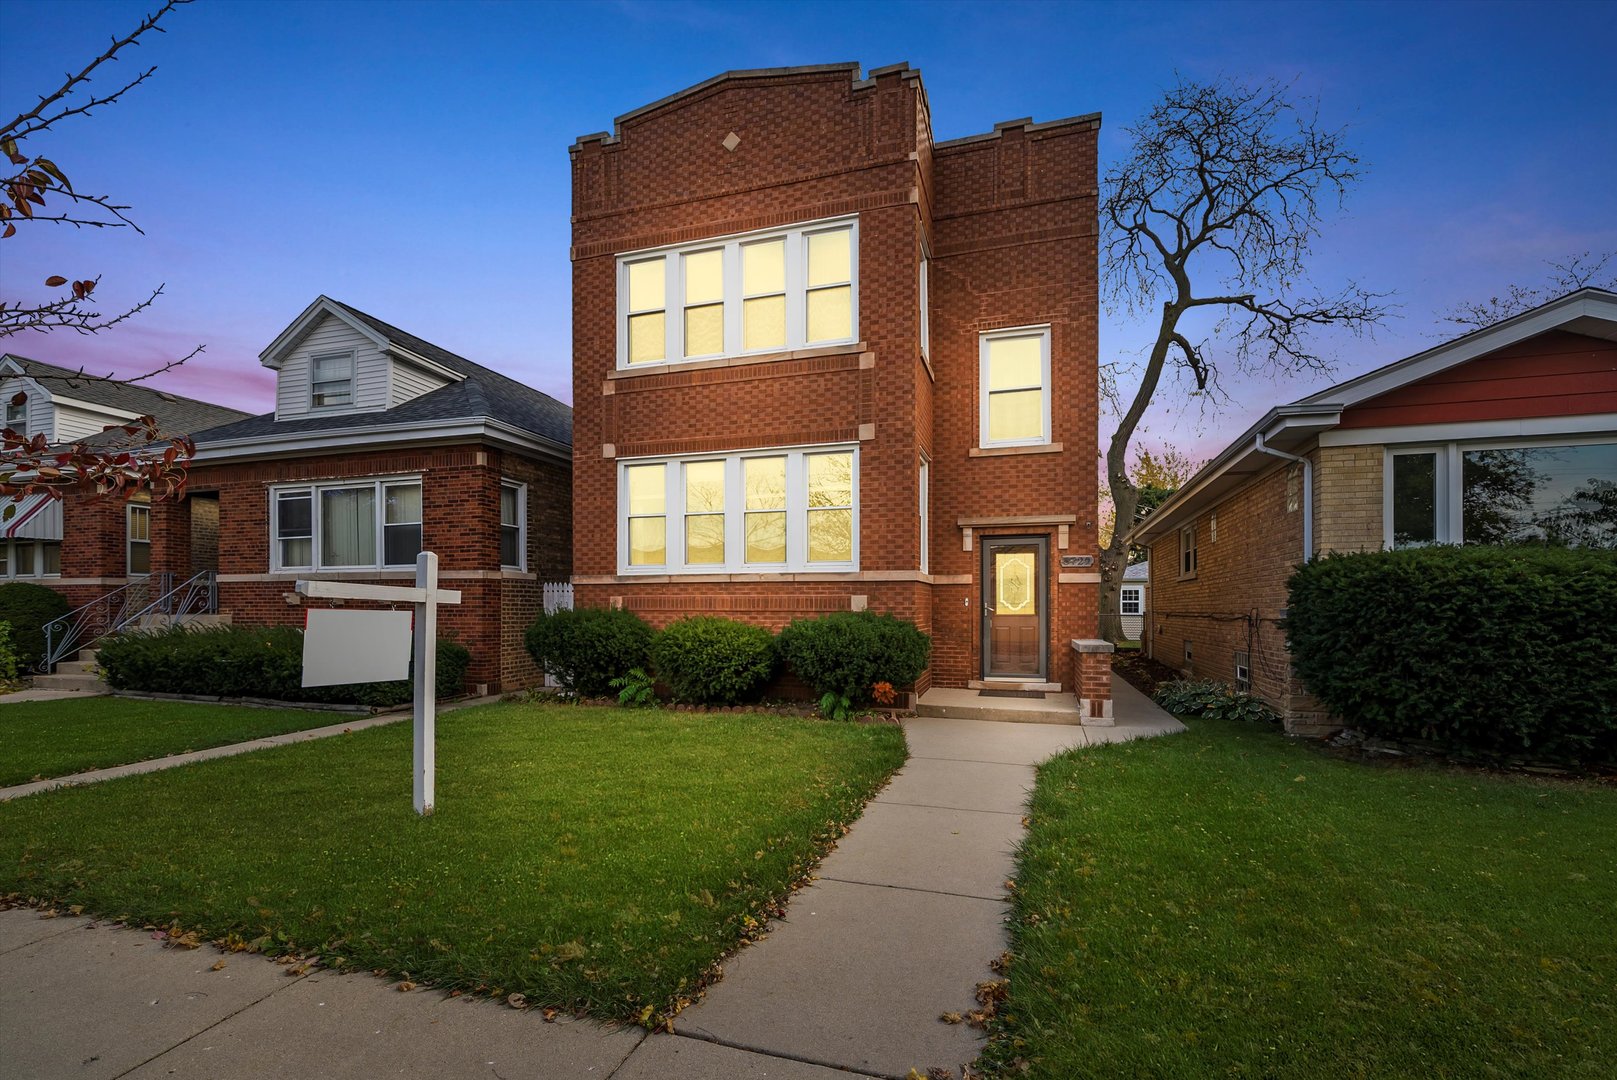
37, 549
352, 380
924, 287
16, 416
1243, 671
983, 340
1450, 500
1127, 593
924, 482
796, 254
522, 525
1190, 548
735, 514
316, 565
130, 541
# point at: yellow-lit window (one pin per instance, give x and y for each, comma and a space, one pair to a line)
648, 310
648, 514
828, 311
1015, 394
765, 482
704, 513
830, 507
704, 303
763, 292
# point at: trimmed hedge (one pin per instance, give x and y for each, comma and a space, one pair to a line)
250, 661
586, 648
848, 652
709, 660
28, 607
1503, 650
8, 655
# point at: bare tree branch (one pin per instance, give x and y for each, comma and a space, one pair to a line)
1216, 207
1569, 275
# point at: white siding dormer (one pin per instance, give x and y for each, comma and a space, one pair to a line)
293, 389
411, 381
38, 415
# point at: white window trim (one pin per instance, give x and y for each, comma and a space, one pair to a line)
314, 490
924, 287
522, 526
796, 293
735, 514
1450, 502
1195, 560
1127, 593
20, 411
39, 546
353, 380
983, 339
924, 482
130, 541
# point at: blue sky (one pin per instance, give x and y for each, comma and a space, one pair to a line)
411, 158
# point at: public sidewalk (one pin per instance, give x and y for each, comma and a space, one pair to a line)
902, 924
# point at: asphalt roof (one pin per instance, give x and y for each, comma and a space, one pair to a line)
175, 414
481, 394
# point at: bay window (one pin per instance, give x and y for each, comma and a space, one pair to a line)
768, 511
758, 293
1015, 387
1557, 494
365, 525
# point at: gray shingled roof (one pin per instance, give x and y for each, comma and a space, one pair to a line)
175, 415
1140, 571
481, 394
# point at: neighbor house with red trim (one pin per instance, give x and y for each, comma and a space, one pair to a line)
823, 362
1504, 435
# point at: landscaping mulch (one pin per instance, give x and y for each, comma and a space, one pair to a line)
1142, 672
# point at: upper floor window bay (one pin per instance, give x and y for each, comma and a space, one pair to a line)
755, 293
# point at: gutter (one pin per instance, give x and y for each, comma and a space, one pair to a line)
1308, 491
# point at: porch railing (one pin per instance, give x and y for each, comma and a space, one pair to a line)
126, 606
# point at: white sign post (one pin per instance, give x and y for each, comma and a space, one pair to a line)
426, 596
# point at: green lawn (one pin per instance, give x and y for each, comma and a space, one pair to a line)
41, 739
601, 858
1228, 903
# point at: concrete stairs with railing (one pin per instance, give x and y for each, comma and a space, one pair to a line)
82, 674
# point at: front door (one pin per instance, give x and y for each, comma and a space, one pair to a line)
1016, 589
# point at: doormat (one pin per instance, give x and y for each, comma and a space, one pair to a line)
1037, 695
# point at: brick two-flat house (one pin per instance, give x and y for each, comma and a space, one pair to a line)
1505, 435
382, 445
822, 363
83, 547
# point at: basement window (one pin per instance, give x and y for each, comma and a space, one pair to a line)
1243, 673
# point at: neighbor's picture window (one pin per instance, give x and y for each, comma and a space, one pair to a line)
1414, 499
373, 524
331, 380
765, 512
513, 525
757, 293
1015, 388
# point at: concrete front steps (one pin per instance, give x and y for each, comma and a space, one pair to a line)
77, 674
1037, 708
80, 674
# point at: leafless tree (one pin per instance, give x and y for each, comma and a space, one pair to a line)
1569, 275
1214, 211
34, 182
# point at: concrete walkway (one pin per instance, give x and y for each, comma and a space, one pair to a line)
909, 911
34, 694
903, 923
352, 723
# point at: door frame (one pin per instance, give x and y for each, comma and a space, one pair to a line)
985, 637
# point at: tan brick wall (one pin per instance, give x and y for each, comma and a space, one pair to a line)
1347, 493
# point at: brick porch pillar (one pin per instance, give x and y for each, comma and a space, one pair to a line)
1092, 680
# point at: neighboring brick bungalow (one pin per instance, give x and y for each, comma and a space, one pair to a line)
1506, 434
382, 445
823, 363
83, 546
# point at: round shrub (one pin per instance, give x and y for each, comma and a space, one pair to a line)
28, 607
1500, 650
849, 652
708, 660
586, 648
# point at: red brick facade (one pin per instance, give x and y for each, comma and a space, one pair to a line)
1008, 220
223, 524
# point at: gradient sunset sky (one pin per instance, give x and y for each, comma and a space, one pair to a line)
411, 158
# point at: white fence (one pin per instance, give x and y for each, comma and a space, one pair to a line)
558, 597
